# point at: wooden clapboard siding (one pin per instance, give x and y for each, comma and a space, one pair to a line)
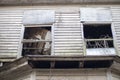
68, 33
10, 33
67, 30
116, 26
115, 76
24, 76
71, 75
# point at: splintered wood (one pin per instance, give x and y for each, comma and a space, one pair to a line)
37, 41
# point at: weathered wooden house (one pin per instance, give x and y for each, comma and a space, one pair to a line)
60, 39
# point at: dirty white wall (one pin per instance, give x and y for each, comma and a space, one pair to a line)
67, 29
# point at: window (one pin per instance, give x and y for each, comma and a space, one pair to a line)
98, 39
37, 41
37, 34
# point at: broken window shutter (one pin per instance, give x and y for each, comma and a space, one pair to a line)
95, 14
38, 17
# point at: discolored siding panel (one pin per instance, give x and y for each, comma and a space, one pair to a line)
10, 33
115, 76
24, 77
68, 33
71, 75
116, 26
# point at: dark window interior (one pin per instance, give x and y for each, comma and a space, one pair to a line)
98, 31
35, 47
71, 64
67, 64
30, 32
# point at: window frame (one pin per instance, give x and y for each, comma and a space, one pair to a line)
101, 22
36, 25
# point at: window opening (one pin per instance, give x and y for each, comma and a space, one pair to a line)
37, 41
98, 36
98, 39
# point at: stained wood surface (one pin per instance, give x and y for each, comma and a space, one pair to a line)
68, 33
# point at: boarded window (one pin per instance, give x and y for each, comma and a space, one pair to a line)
98, 37
38, 17
37, 41
95, 14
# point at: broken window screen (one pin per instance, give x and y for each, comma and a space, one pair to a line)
37, 41
98, 36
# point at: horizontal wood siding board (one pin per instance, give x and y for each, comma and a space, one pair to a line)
67, 22
68, 45
12, 12
9, 42
68, 48
68, 37
10, 22
11, 26
11, 17
10, 29
68, 42
67, 28
9, 48
7, 54
8, 51
2, 16
11, 55
68, 15
10, 32
70, 34
60, 12
69, 54
8, 45
11, 37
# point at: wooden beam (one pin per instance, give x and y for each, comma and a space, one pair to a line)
67, 58
36, 2
81, 64
13, 64
52, 64
115, 65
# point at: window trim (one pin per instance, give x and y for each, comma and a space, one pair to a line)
114, 38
